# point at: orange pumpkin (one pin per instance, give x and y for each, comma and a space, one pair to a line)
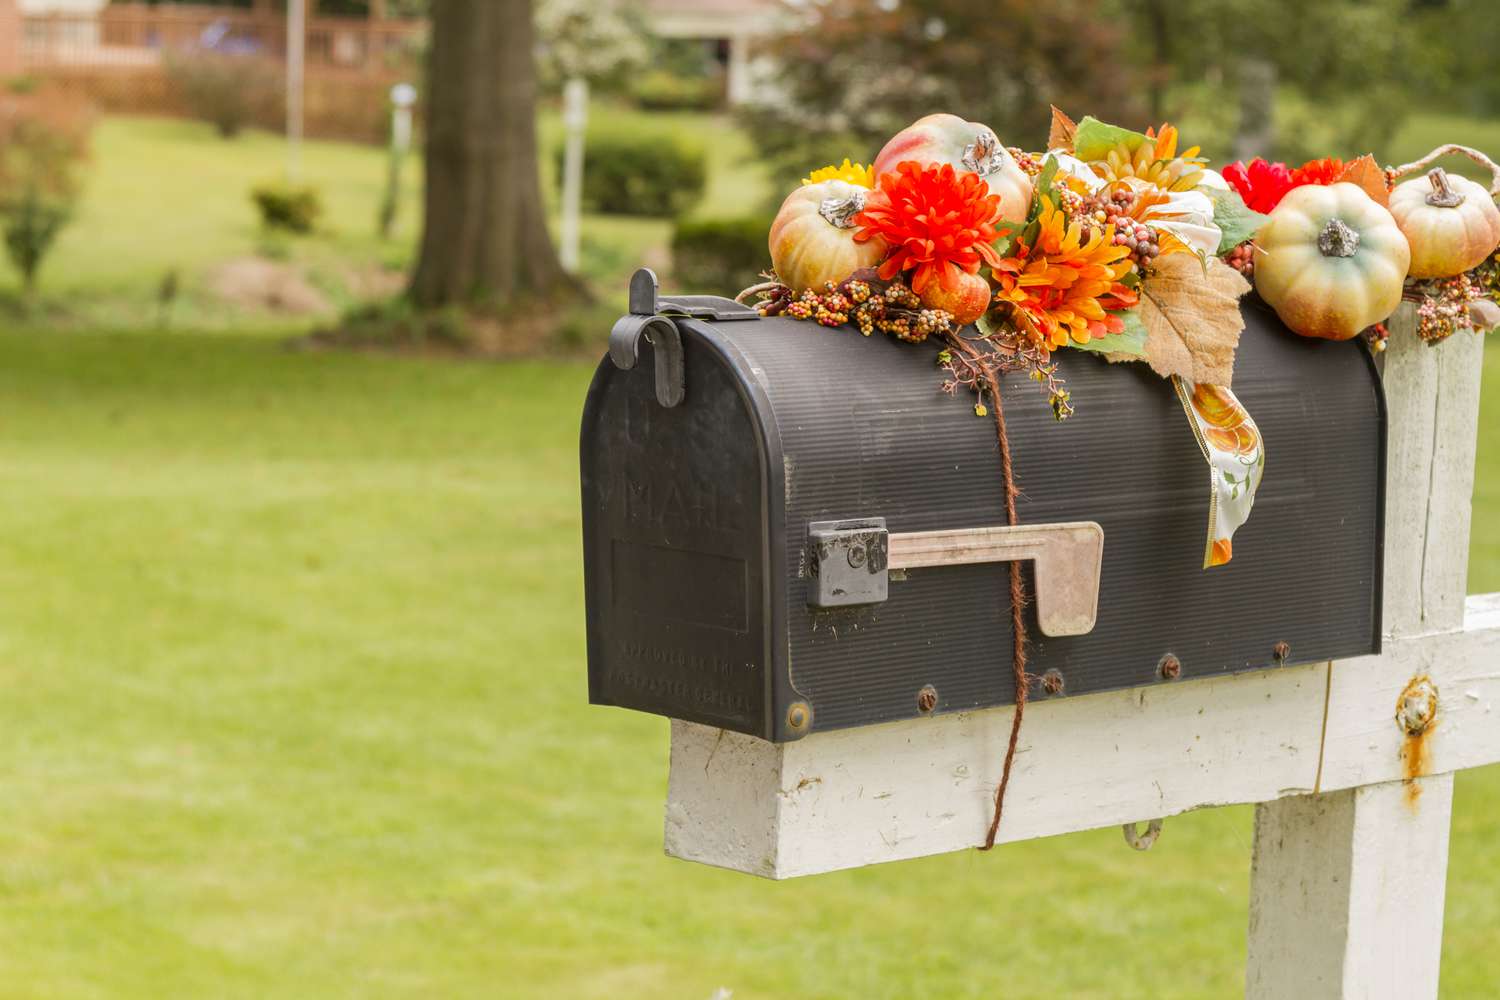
967, 301
1450, 222
812, 238
944, 138
1331, 261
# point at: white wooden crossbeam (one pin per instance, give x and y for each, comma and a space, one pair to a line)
925, 786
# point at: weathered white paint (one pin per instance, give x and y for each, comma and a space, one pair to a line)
886, 793
1432, 394
1348, 884
1346, 894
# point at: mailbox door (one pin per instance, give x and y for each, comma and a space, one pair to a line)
675, 552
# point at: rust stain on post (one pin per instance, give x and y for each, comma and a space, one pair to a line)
1416, 714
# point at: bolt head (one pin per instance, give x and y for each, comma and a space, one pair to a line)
1170, 667
1418, 706
927, 699
1052, 681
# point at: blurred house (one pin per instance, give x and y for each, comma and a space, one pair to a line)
727, 28
120, 54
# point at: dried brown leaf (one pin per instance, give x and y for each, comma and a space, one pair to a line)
1192, 318
1366, 174
1063, 130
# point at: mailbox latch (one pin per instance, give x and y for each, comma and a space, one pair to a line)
851, 561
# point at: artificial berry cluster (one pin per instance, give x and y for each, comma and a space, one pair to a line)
1444, 307
895, 310
1112, 209
1242, 259
827, 308
1030, 163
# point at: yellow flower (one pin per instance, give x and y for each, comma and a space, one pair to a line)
1065, 288
854, 173
1156, 162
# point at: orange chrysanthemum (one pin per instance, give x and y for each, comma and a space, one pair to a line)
1324, 171
939, 223
1063, 288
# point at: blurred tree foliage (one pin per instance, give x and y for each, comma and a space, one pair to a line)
1291, 78
851, 74
1342, 74
601, 41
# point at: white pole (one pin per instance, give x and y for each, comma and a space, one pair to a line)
296, 38
575, 119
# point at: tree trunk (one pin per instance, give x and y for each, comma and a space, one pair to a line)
485, 239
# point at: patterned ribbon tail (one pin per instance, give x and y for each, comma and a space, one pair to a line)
1236, 456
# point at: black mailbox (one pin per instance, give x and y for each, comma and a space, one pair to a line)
758, 499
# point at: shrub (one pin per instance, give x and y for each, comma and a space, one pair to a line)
634, 171
44, 139
661, 90
720, 256
288, 207
228, 89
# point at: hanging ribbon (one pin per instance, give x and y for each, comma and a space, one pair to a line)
1236, 456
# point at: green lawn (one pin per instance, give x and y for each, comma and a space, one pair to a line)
294, 706
163, 195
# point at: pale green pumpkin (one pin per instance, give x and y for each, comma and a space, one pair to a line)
1331, 261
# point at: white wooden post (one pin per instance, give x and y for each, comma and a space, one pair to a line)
296, 49
1351, 841
575, 120
1347, 889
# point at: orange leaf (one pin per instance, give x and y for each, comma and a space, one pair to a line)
1366, 174
1063, 130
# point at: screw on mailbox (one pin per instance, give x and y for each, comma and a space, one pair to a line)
1170, 667
1282, 651
1052, 681
927, 699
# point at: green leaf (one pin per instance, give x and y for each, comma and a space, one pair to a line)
1095, 138
1042, 186
1132, 342
1005, 244
1235, 220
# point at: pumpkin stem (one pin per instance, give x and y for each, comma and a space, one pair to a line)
840, 212
1443, 195
1338, 240
983, 156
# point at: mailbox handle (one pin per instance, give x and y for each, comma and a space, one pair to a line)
654, 319
1067, 557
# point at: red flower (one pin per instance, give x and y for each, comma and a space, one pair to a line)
1324, 171
938, 222
1261, 184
